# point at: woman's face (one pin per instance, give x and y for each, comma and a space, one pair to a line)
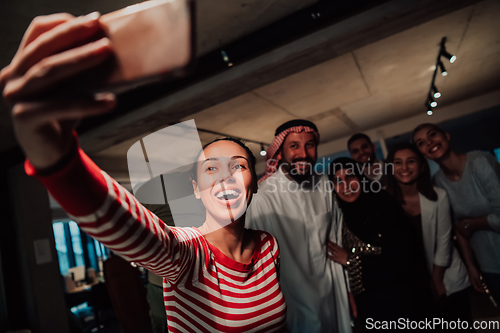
346, 185
407, 167
432, 143
224, 184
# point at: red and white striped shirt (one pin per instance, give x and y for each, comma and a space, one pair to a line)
204, 290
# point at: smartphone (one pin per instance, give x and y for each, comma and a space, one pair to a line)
152, 40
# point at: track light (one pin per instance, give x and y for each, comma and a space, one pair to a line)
435, 92
443, 70
432, 102
262, 150
450, 57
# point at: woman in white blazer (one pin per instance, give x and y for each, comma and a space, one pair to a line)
429, 210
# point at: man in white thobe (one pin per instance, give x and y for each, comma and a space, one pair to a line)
295, 205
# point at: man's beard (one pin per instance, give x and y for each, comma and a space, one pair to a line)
294, 172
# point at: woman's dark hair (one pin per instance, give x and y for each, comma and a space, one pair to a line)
251, 158
344, 163
425, 125
348, 164
424, 181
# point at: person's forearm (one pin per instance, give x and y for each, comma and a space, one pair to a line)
472, 270
108, 213
77, 185
466, 250
477, 223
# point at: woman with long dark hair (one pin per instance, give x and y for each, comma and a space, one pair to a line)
472, 182
380, 251
429, 210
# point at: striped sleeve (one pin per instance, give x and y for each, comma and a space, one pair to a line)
109, 213
275, 253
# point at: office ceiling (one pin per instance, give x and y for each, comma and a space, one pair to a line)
370, 80
379, 83
218, 23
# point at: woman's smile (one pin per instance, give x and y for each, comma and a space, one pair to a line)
406, 165
434, 148
224, 182
228, 195
433, 144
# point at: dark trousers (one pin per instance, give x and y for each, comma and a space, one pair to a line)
398, 301
456, 306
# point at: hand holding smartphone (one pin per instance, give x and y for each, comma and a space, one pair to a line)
63, 61
150, 42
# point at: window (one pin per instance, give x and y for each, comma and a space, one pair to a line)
75, 248
76, 243
497, 153
100, 250
62, 249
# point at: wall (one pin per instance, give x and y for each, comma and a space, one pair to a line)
477, 131
35, 298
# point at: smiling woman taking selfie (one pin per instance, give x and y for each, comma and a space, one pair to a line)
472, 182
218, 278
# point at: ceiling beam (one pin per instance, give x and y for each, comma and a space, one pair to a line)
348, 35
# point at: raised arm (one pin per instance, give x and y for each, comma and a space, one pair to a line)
44, 128
470, 263
109, 213
44, 125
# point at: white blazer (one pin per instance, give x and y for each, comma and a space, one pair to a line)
436, 229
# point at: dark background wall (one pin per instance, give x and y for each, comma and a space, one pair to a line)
31, 295
477, 131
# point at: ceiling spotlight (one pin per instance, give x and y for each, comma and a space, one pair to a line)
450, 57
443, 70
262, 150
436, 94
433, 103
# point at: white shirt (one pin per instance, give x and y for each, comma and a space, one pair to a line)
301, 217
436, 231
376, 171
